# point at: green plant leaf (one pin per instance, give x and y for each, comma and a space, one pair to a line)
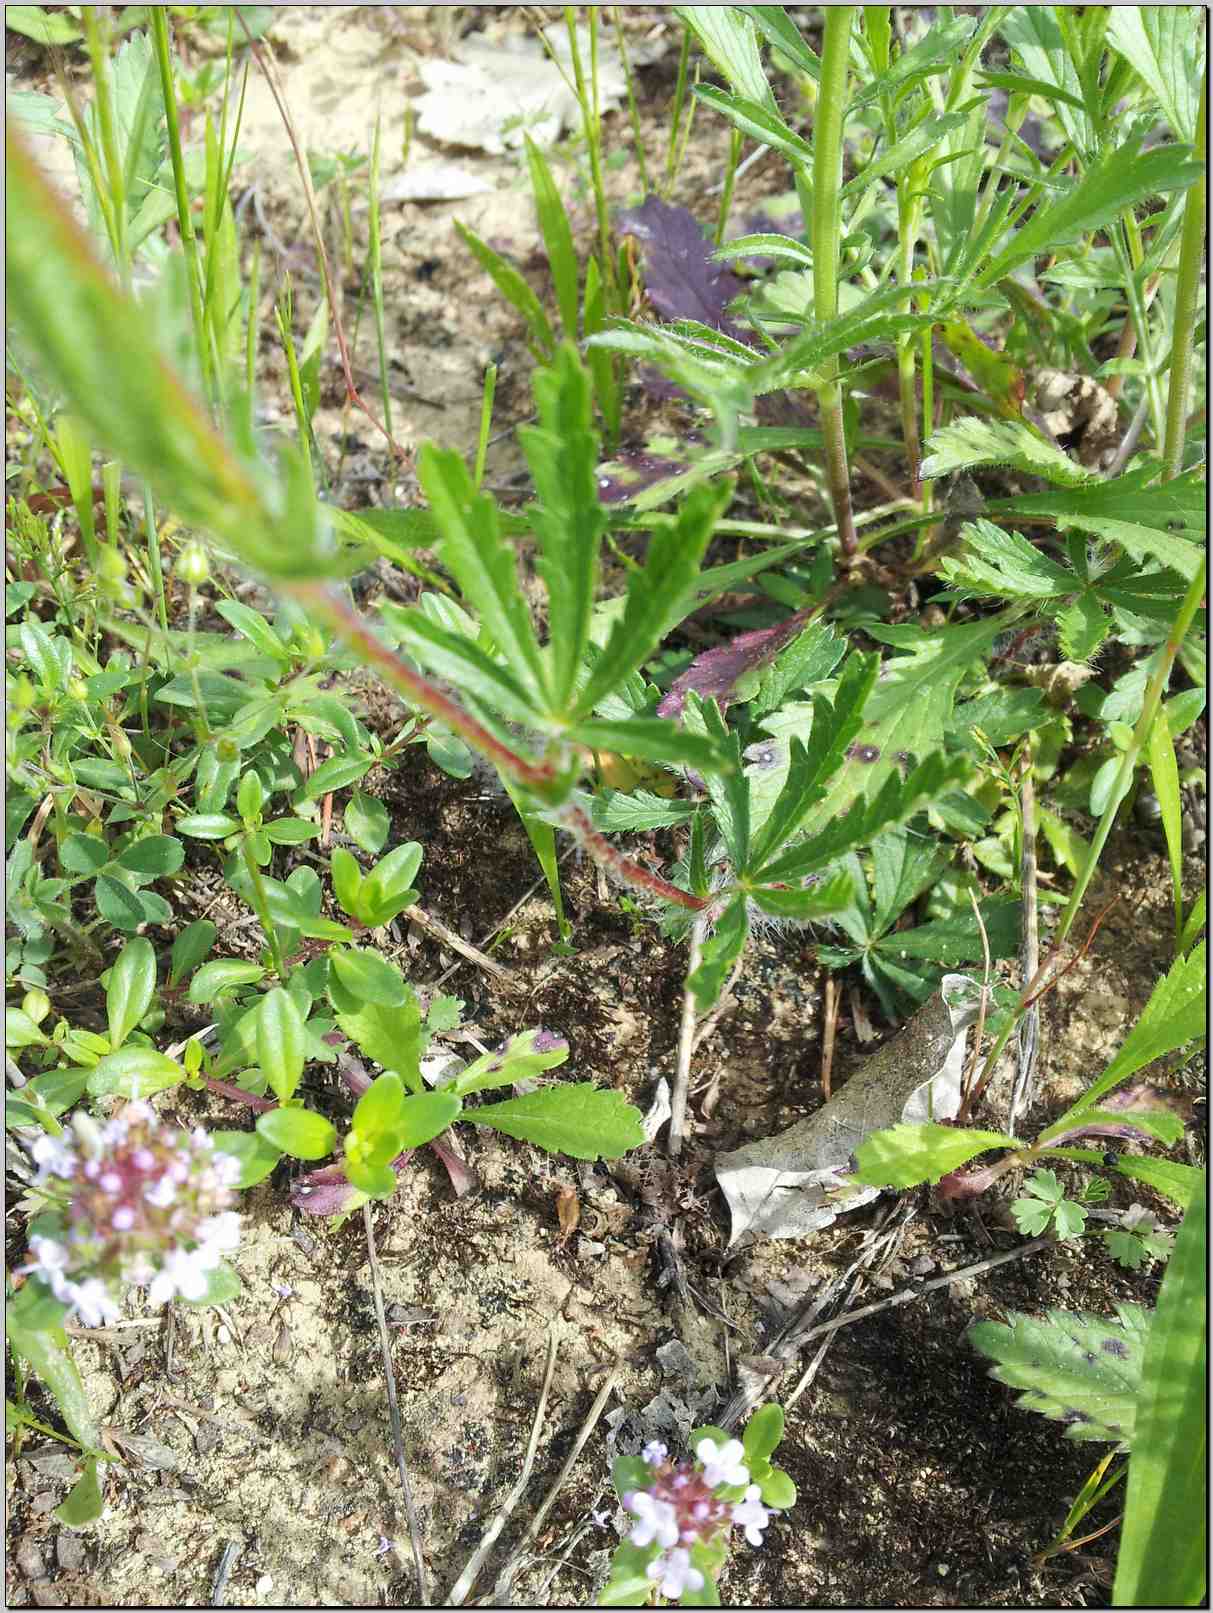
523, 1057
189, 949
1162, 1546
223, 974
1159, 44
335, 774
973, 440
281, 1042
653, 739
658, 595
763, 1433
1167, 1176
117, 904
1117, 179
257, 1156
513, 288
47, 1351
378, 1109
368, 978
1078, 1369
208, 825
132, 985
906, 1155
820, 901
290, 831
302, 1133
133, 1072
84, 1503
83, 854
778, 1490
562, 453
392, 1036
728, 37
580, 1120
254, 627
366, 822
20, 1030
759, 123
391, 878
41, 25
557, 236
425, 1115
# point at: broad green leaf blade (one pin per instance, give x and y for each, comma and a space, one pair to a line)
1118, 178
906, 1155
802, 906
391, 1036
562, 453
366, 977
1078, 1369
132, 984
423, 1117
1162, 1543
299, 1132
223, 974
47, 1351
392, 875
189, 949
954, 941
659, 595
281, 1041
1159, 44
135, 1072
729, 40
484, 565
581, 1120
975, 441
1174, 1016
378, 1109
257, 1157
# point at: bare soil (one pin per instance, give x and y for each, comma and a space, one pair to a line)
259, 1438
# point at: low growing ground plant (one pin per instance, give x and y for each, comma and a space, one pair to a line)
981, 291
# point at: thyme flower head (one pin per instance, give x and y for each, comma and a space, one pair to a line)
131, 1201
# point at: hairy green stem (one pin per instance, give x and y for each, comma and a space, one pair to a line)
1187, 296
827, 239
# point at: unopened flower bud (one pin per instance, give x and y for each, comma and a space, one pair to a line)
192, 565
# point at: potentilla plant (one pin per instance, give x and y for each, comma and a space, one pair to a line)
132, 1202
685, 1512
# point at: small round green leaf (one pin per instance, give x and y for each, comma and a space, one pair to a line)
368, 977
299, 1132
378, 1109
366, 821
154, 857
134, 1072
424, 1116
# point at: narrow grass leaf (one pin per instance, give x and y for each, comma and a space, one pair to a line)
557, 237
512, 287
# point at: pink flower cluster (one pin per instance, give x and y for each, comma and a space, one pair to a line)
132, 1202
681, 1509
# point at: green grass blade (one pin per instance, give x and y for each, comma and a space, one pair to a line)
1164, 772
557, 237
513, 288
1162, 1543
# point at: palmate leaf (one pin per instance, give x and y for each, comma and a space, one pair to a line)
835, 725
1162, 524
562, 453
484, 565
1079, 1369
908, 712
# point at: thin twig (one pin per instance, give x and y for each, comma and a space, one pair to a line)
264, 59
393, 1406
426, 921
457, 1594
1028, 1036
828, 1034
905, 1295
686, 1042
501, 1589
966, 1084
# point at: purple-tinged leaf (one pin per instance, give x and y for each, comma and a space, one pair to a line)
633, 471
764, 222
681, 278
715, 674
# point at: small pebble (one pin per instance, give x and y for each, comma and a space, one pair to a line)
264, 1585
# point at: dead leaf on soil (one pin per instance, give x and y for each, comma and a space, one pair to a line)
504, 89
793, 1184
